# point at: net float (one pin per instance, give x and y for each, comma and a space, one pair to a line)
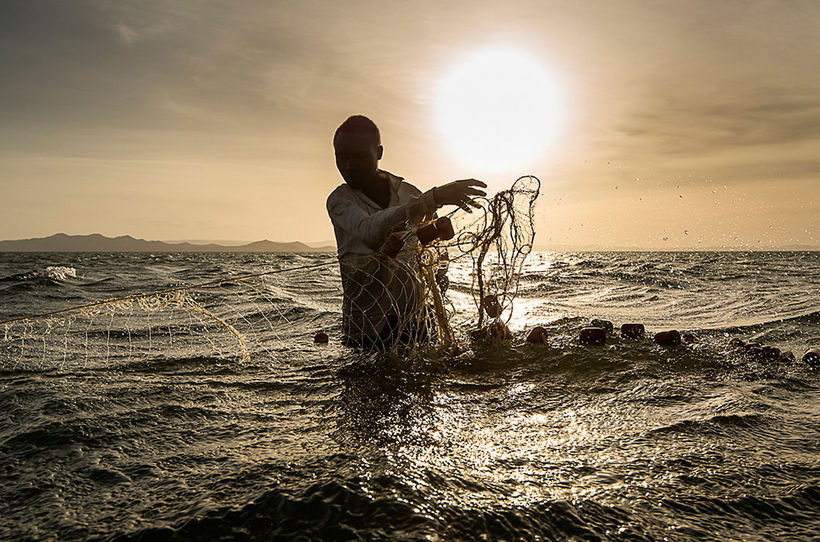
445, 228
605, 324
755, 350
770, 352
787, 356
496, 331
593, 335
427, 234
320, 338
633, 331
392, 245
537, 335
667, 338
491, 306
812, 356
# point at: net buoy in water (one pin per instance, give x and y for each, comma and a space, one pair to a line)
812, 356
491, 306
496, 331
605, 324
787, 356
668, 338
538, 335
593, 335
770, 352
633, 331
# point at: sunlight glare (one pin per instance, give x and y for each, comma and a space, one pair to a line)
498, 110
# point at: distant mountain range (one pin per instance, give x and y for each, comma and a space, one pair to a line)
99, 243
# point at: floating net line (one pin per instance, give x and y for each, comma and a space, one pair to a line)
430, 290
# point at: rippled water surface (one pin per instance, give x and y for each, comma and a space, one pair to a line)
170, 435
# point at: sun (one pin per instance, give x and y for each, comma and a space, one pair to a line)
498, 110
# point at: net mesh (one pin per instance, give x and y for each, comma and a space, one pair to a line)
430, 294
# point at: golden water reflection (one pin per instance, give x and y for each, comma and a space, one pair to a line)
466, 450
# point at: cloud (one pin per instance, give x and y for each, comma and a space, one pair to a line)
699, 89
750, 134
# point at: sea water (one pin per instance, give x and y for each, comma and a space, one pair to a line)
629, 440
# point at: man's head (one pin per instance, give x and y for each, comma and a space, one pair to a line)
358, 148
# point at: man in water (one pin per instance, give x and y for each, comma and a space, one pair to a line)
379, 292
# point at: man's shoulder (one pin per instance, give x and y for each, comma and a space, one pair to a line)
341, 192
402, 185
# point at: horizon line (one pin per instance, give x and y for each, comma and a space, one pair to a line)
538, 247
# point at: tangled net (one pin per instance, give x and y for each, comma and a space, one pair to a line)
394, 299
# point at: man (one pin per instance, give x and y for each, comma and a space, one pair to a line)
380, 293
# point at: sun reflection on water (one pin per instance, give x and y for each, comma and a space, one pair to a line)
545, 454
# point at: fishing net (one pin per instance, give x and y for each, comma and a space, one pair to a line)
434, 285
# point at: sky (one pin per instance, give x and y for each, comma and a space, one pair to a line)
678, 125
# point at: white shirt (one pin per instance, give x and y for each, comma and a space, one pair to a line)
377, 290
361, 225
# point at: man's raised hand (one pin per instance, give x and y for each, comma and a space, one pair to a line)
459, 193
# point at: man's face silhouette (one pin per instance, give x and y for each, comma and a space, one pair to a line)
357, 157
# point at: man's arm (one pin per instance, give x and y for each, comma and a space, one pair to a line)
373, 229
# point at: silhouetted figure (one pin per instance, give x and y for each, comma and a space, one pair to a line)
379, 291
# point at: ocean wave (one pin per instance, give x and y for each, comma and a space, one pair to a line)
727, 423
168, 434
539, 276
789, 517
587, 263
53, 434
136, 333
52, 274
187, 365
664, 282
799, 321
329, 510
343, 510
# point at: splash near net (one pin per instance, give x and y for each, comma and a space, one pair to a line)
435, 285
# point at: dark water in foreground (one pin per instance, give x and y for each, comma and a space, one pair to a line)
625, 441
